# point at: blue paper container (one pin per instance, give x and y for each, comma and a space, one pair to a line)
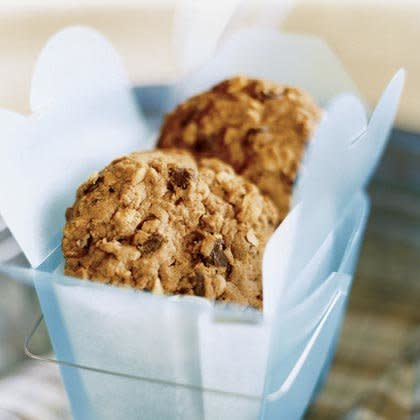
116, 366
125, 354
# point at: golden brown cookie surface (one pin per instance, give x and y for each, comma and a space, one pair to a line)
258, 127
163, 221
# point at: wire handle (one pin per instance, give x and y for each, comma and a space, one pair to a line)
40, 358
28, 340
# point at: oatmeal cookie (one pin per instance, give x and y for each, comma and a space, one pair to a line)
166, 222
258, 127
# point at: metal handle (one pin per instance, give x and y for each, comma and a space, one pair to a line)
38, 357
28, 340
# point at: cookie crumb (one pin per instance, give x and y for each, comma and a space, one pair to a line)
251, 237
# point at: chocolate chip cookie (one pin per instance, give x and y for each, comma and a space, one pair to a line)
165, 222
258, 127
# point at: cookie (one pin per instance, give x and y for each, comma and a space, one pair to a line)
165, 222
258, 127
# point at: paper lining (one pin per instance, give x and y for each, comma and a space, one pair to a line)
84, 117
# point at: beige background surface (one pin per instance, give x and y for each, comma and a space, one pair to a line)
373, 38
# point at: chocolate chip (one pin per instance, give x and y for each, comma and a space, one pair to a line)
202, 223
152, 244
188, 117
192, 240
180, 177
201, 113
205, 144
69, 213
231, 96
83, 246
94, 185
146, 219
222, 87
256, 130
197, 283
120, 159
170, 187
286, 180
229, 270
111, 190
252, 89
253, 132
217, 257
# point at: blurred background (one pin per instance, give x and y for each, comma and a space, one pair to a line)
372, 38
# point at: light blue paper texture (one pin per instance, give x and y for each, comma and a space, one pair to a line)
83, 116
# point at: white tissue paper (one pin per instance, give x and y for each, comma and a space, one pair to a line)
83, 117
175, 357
9, 249
198, 26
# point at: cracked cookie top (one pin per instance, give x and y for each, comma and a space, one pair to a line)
165, 222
